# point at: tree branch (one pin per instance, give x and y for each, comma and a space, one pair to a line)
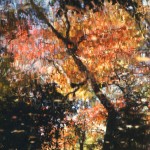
103, 99
42, 17
68, 24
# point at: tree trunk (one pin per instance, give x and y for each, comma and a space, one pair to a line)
81, 146
82, 139
111, 132
96, 88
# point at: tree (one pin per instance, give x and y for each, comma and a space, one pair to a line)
77, 44
86, 127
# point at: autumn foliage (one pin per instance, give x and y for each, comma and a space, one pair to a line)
104, 39
88, 55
